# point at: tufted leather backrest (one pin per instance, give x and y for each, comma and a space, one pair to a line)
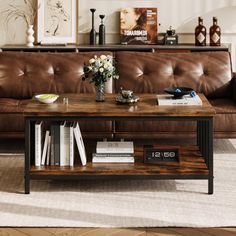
23, 74
206, 72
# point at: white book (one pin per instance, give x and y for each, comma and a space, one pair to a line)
64, 144
38, 143
45, 146
187, 100
48, 151
113, 159
80, 144
71, 145
113, 155
115, 147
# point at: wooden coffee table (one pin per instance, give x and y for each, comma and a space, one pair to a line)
196, 162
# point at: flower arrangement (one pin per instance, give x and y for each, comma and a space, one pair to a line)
100, 69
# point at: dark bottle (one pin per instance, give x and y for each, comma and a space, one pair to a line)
93, 33
102, 31
200, 33
215, 33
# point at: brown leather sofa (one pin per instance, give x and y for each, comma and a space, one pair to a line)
22, 75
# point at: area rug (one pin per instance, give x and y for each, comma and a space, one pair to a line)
128, 203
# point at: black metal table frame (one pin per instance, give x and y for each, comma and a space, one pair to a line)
204, 141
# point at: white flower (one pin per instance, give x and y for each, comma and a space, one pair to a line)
91, 61
106, 65
103, 57
101, 69
97, 63
109, 64
110, 68
109, 58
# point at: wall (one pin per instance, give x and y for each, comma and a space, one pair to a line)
181, 14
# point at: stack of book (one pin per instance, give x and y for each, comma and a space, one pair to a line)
114, 152
56, 147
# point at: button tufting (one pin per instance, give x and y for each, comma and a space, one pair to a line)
175, 71
56, 70
205, 72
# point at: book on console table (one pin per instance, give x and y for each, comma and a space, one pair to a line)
187, 100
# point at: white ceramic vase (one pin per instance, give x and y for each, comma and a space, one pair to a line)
30, 36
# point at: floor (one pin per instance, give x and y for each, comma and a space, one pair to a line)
117, 232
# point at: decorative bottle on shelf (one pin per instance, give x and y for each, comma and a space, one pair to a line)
200, 33
93, 33
215, 33
102, 31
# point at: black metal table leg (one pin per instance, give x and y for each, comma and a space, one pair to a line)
205, 143
27, 156
210, 156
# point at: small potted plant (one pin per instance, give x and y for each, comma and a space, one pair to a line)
98, 71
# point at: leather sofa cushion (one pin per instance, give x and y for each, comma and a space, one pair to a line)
222, 123
23, 75
154, 126
225, 118
224, 105
12, 120
145, 72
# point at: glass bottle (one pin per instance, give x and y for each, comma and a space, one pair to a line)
215, 33
200, 33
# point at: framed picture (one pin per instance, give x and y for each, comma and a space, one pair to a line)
57, 21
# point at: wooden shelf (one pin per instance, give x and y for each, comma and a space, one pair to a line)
114, 47
191, 163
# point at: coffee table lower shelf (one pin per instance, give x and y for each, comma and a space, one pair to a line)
191, 165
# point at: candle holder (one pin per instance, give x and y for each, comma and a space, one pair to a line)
102, 31
93, 32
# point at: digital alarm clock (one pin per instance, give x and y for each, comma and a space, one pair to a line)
155, 155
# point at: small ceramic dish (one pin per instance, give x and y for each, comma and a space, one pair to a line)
47, 98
